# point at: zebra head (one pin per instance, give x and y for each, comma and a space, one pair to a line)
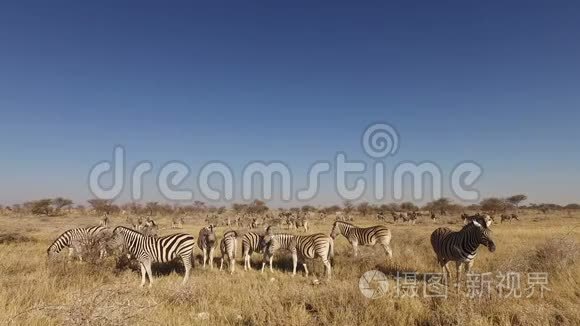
266, 243
483, 232
335, 232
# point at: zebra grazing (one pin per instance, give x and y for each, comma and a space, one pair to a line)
76, 239
228, 246
177, 223
301, 247
148, 250
461, 246
250, 244
370, 236
206, 242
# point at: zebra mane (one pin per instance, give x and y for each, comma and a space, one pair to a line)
343, 222
126, 229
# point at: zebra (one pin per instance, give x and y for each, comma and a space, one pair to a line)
301, 223
75, 239
250, 244
104, 222
301, 246
148, 250
177, 222
509, 217
363, 236
206, 242
461, 246
228, 246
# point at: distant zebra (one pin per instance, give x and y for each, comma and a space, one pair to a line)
206, 242
508, 217
369, 236
228, 246
301, 247
302, 224
148, 250
104, 222
461, 246
76, 239
250, 244
177, 222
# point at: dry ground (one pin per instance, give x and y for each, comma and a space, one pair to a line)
33, 292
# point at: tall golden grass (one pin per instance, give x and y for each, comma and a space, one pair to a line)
35, 292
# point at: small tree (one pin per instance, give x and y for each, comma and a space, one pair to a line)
440, 205
493, 205
41, 207
60, 203
239, 208
102, 206
516, 200
308, 208
364, 208
408, 206
152, 208
348, 207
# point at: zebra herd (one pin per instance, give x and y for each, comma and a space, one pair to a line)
459, 246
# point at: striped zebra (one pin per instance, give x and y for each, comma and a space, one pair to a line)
148, 250
461, 246
301, 246
370, 236
228, 246
206, 242
76, 239
250, 243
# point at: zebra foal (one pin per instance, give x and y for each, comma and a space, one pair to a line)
370, 236
461, 246
148, 249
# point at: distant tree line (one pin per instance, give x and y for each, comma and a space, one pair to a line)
443, 206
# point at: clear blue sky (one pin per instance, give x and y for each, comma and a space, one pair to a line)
494, 82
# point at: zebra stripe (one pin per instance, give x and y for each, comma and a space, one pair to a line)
301, 246
250, 244
75, 239
206, 242
370, 236
156, 249
228, 247
461, 246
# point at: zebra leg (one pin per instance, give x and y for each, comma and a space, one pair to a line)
143, 273
327, 267
148, 267
458, 266
305, 268
187, 264
222, 262
446, 271
355, 248
232, 265
204, 257
271, 258
294, 263
211, 258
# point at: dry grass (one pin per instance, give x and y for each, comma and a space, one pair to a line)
33, 292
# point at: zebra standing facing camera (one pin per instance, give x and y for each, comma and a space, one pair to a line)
228, 247
147, 250
461, 246
370, 236
206, 242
